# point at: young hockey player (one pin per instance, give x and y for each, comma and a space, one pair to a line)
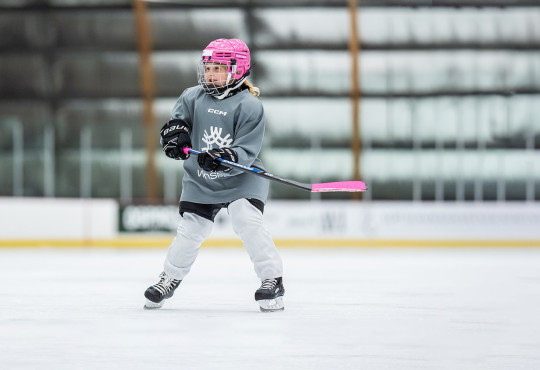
223, 118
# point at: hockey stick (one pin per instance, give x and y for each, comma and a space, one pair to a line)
317, 188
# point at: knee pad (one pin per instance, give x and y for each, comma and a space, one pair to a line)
195, 228
245, 216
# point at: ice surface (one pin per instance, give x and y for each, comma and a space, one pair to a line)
344, 309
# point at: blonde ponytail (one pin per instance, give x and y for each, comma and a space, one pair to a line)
253, 90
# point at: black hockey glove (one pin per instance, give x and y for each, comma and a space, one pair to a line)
174, 138
208, 160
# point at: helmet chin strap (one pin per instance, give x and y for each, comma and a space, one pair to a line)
234, 87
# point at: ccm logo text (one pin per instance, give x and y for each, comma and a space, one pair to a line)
215, 111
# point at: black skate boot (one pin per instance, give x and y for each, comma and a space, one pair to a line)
158, 293
270, 295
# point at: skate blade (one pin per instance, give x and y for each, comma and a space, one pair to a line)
149, 305
271, 305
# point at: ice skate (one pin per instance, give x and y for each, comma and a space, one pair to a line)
158, 293
270, 295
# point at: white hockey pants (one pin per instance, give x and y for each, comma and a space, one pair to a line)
247, 223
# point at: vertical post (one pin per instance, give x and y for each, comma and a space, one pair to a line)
480, 120
501, 178
529, 149
389, 106
480, 151
501, 183
354, 50
417, 151
85, 175
126, 156
315, 153
439, 154
147, 90
460, 151
48, 161
18, 159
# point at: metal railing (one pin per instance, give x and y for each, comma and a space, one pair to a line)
127, 158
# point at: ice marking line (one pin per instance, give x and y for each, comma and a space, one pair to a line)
163, 242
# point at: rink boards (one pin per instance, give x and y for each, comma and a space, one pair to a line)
33, 222
101, 223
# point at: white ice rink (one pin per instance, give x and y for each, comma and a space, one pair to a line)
344, 309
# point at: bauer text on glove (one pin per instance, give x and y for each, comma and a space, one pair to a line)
174, 138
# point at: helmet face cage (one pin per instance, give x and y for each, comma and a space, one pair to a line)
213, 82
232, 57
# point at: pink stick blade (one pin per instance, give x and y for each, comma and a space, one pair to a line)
339, 186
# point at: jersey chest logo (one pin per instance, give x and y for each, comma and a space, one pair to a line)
216, 111
214, 137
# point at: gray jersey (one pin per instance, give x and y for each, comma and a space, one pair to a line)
236, 122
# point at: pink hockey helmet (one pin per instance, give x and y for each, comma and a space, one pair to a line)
234, 54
